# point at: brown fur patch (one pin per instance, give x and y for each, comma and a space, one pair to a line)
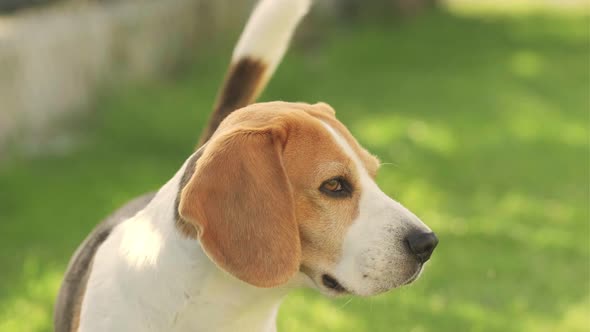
324, 112
255, 194
240, 200
244, 81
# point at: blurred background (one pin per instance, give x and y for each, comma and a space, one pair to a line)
479, 108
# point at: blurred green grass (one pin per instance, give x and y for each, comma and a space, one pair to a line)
484, 124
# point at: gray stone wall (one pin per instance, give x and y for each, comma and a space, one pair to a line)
54, 60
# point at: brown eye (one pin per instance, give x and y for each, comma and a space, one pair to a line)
333, 185
336, 187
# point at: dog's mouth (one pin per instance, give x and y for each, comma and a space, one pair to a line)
415, 275
332, 286
331, 283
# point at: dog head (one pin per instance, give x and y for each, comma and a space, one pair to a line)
284, 187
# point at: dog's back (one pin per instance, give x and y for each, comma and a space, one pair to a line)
71, 293
256, 56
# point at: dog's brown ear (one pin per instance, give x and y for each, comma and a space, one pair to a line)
241, 201
323, 107
320, 110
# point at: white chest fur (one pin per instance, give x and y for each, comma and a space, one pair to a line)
147, 277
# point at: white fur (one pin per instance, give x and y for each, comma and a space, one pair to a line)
147, 277
374, 257
269, 30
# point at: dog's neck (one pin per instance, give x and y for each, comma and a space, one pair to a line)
180, 277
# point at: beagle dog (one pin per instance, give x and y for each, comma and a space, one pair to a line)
280, 196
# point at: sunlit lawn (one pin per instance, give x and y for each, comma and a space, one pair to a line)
483, 123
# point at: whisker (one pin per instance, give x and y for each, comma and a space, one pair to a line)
347, 302
389, 164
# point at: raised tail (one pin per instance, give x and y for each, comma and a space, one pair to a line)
259, 51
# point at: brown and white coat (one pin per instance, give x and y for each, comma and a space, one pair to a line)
281, 196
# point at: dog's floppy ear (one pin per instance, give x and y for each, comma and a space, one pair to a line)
323, 107
320, 110
241, 202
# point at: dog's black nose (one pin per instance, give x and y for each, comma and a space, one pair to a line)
422, 245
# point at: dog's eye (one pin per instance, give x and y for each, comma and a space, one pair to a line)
333, 185
336, 187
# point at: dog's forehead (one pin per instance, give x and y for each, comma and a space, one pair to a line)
311, 153
313, 129
346, 142
264, 114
